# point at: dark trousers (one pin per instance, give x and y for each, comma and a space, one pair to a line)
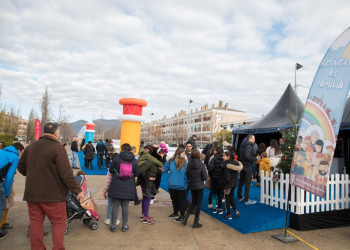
88, 163
178, 198
100, 159
230, 201
216, 193
108, 160
197, 196
245, 179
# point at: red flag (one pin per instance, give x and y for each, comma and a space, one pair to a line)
37, 129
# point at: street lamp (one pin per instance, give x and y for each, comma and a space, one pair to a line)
297, 66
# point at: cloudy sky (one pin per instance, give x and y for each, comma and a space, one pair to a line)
92, 53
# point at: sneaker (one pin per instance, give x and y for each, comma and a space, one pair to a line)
214, 210
241, 199
148, 220
118, 222
220, 211
178, 219
3, 234
228, 216
6, 226
237, 214
141, 218
152, 201
173, 215
210, 205
113, 229
250, 202
125, 228
107, 221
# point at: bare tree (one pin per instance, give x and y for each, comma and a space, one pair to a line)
62, 116
66, 132
31, 125
45, 109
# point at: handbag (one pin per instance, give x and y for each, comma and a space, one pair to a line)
208, 183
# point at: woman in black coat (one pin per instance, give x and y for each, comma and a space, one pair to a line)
229, 182
196, 175
89, 154
122, 186
215, 173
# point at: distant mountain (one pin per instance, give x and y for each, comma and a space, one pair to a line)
76, 126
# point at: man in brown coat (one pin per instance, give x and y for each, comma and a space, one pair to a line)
49, 177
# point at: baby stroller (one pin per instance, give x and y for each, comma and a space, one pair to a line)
87, 208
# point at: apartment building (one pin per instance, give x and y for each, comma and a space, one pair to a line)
22, 129
204, 123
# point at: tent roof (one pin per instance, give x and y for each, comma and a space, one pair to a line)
345, 122
277, 118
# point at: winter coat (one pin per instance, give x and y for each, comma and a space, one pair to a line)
246, 151
74, 146
196, 174
193, 142
8, 165
206, 152
46, 166
274, 159
177, 179
230, 175
119, 188
100, 147
89, 152
265, 165
215, 167
109, 148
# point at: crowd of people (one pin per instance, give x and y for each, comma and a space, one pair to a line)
49, 178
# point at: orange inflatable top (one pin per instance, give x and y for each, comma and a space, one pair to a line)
133, 101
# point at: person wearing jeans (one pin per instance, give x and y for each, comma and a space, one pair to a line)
74, 148
247, 159
101, 149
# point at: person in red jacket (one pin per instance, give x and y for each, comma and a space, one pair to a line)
49, 177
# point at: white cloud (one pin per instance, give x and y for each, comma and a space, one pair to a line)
90, 54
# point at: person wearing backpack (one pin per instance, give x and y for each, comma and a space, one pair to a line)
121, 188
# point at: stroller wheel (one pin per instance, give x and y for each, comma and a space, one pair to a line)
93, 225
86, 221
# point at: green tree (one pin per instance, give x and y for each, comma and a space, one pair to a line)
223, 135
289, 137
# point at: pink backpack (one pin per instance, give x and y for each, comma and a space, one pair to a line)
125, 171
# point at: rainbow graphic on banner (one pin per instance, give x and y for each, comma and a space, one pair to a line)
315, 115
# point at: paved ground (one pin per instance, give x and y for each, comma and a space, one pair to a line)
164, 234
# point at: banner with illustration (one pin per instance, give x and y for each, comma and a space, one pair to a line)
321, 119
37, 130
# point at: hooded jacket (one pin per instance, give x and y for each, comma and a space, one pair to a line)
246, 157
46, 166
8, 165
265, 165
196, 174
230, 175
215, 167
89, 152
100, 147
119, 188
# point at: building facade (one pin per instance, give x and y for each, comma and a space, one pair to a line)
204, 123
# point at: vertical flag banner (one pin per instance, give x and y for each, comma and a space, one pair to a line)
321, 119
37, 130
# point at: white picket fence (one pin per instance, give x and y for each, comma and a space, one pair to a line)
301, 201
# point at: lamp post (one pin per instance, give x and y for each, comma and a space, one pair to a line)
150, 134
297, 66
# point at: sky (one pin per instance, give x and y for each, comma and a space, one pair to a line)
90, 54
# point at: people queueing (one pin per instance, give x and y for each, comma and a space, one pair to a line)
247, 160
9, 157
89, 153
101, 150
122, 185
176, 168
75, 149
49, 177
196, 175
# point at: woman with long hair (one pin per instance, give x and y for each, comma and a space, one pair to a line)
176, 168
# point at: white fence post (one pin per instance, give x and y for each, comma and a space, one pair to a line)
302, 202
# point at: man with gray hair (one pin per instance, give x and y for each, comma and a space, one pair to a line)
49, 177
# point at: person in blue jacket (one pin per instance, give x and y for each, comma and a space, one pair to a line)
9, 157
176, 168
